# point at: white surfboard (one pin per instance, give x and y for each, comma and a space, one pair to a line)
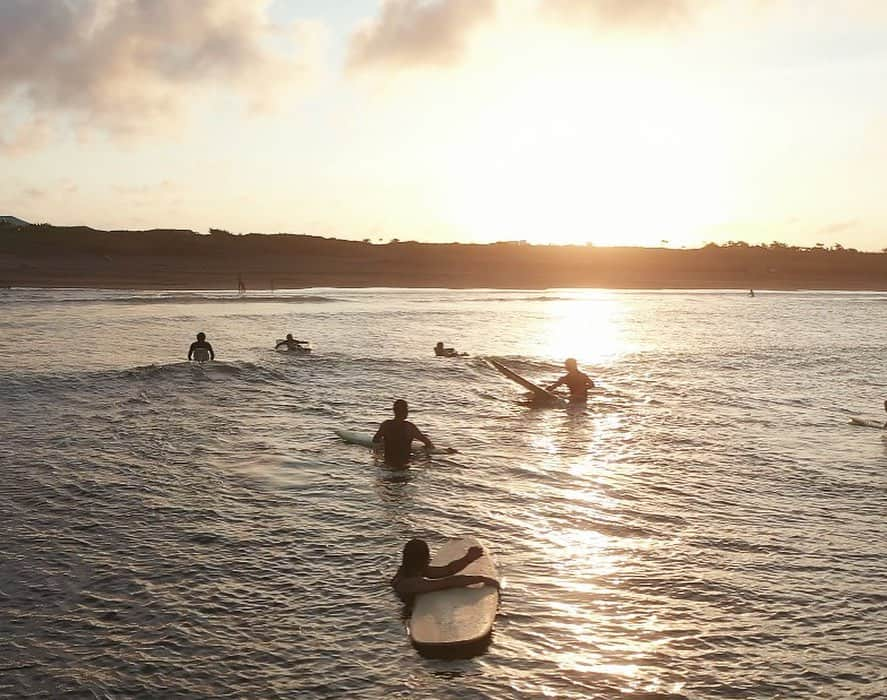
866, 422
355, 437
456, 616
539, 393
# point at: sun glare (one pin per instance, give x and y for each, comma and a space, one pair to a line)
588, 328
572, 149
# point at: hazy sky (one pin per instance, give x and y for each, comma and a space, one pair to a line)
609, 121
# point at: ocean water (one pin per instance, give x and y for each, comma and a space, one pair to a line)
711, 527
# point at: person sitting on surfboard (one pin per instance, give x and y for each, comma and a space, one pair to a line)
291, 343
577, 382
416, 575
397, 435
441, 351
200, 344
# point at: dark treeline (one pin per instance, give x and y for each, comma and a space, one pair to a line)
44, 255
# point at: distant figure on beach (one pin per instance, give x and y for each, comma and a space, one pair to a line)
885, 422
416, 575
751, 292
441, 351
241, 287
396, 436
291, 343
200, 350
577, 382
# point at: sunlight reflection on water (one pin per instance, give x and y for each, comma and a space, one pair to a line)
709, 527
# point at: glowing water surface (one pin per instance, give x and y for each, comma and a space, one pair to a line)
710, 527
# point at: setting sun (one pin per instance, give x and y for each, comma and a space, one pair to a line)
563, 148
443, 348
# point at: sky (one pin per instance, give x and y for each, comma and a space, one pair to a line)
609, 122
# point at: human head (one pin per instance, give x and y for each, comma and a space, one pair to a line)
415, 557
289, 336
439, 343
401, 409
201, 336
570, 364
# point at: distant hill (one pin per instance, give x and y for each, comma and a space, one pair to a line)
12, 221
44, 255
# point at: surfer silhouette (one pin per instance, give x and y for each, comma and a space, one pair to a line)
200, 350
416, 575
396, 436
441, 351
577, 382
885, 408
291, 343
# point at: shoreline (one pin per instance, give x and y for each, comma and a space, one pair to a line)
159, 287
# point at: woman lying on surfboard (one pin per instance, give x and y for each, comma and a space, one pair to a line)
416, 575
441, 351
291, 343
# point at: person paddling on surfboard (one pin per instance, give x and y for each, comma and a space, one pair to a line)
577, 382
396, 435
291, 343
416, 575
200, 348
441, 351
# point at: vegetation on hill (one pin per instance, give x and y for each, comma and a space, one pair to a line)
44, 255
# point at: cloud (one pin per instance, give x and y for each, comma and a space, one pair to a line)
34, 193
19, 136
164, 187
648, 14
129, 65
413, 32
838, 227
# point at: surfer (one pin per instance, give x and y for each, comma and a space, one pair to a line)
751, 292
200, 348
396, 436
291, 343
885, 408
416, 575
441, 351
577, 382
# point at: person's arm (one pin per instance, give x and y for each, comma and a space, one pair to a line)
212, 355
552, 387
190, 352
379, 437
424, 439
589, 382
456, 565
282, 342
426, 585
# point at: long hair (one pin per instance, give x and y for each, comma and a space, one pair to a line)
416, 556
